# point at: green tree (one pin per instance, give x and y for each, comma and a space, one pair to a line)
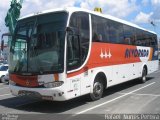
13, 15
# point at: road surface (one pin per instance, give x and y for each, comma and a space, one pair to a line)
127, 98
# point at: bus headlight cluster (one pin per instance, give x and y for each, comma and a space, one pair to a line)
53, 84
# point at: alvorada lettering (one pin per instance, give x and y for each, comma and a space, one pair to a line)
136, 53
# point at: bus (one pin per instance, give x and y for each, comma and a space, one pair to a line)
65, 53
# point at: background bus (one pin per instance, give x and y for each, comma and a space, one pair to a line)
65, 53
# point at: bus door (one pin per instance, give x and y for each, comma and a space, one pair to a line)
77, 51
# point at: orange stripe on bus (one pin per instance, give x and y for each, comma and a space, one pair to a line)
106, 54
25, 81
56, 77
151, 54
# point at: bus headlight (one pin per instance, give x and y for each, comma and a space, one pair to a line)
12, 82
53, 84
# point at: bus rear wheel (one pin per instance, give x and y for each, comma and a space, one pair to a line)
144, 75
98, 89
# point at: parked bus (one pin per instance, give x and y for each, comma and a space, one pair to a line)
61, 54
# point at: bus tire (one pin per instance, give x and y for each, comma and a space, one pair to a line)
144, 75
98, 89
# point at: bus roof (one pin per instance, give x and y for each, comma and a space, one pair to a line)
75, 9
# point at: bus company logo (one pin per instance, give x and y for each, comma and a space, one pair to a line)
104, 54
136, 53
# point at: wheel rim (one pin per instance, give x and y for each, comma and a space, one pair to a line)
97, 90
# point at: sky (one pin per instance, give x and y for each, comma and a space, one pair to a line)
140, 12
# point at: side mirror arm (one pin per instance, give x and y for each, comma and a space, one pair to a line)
2, 40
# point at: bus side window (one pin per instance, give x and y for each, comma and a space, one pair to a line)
97, 37
100, 29
129, 35
115, 32
139, 35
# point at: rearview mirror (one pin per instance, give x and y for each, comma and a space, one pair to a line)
2, 40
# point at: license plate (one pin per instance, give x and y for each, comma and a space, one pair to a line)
26, 93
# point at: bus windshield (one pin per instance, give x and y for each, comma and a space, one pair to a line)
38, 44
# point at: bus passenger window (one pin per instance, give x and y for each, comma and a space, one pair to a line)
100, 29
97, 37
115, 32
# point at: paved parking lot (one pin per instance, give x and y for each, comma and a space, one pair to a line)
126, 98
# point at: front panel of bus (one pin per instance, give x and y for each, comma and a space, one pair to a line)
37, 54
39, 65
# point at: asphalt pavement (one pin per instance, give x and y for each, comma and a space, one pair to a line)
130, 98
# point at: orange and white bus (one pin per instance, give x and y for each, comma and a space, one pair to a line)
66, 53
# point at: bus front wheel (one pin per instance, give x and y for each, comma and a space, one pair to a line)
144, 75
98, 89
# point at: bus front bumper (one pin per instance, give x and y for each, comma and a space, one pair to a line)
52, 94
